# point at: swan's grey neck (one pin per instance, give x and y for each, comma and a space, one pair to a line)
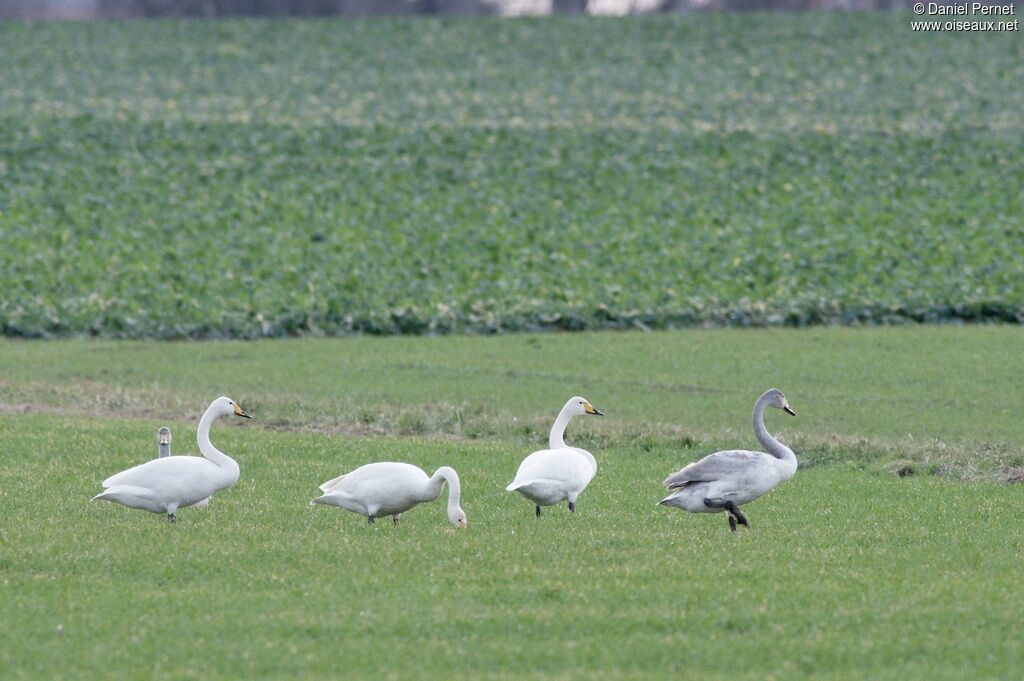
442, 475
206, 447
556, 438
771, 445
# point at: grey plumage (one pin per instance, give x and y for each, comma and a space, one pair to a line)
725, 480
714, 467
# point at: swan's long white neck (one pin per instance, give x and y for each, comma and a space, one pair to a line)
556, 438
771, 445
442, 475
218, 457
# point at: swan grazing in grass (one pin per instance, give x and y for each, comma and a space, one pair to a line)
390, 489
724, 481
173, 482
560, 472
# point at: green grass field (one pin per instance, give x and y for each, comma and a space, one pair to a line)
245, 179
848, 571
953, 387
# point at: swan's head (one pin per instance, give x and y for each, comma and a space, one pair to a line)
457, 517
225, 406
578, 406
778, 400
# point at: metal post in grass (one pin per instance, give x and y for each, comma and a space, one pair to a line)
163, 439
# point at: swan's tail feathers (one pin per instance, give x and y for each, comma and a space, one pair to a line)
672, 500
330, 499
517, 485
121, 493
679, 479
108, 494
331, 484
112, 480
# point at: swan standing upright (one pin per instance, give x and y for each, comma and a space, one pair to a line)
389, 488
724, 481
167, 484
560, 472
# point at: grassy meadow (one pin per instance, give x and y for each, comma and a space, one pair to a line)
939, 387
246, 179
848, 571
634, 180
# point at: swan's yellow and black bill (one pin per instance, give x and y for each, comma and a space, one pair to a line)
788, 409
241, 412
589, 408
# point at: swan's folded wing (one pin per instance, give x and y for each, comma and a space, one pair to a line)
118, 492
713, 467
331, 484
532, 482
341, 500
125, 477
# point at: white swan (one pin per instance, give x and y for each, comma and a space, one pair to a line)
560, 472
390, 489
167, 484
724, 481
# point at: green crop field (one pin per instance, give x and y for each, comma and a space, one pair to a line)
232, 182
848, 571
244, 179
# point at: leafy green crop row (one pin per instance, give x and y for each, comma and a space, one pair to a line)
244, 179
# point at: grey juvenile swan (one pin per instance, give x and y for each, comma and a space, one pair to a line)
724, 481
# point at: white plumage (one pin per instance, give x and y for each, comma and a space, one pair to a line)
167, 484
391, 488
559, 473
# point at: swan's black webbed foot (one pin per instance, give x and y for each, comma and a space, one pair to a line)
370, 519
538, 510
171, 518
572, 507
394, 520
732, 522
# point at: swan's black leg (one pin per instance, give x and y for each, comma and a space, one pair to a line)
735, 510
370, 519
735, 514
711, 503
572, 507
171, 518
538, 510
394, 520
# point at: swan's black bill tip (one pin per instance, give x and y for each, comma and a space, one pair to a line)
789, 410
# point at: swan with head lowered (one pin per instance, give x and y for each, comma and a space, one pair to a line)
390, 488
561, 472
724, 481
173, 482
